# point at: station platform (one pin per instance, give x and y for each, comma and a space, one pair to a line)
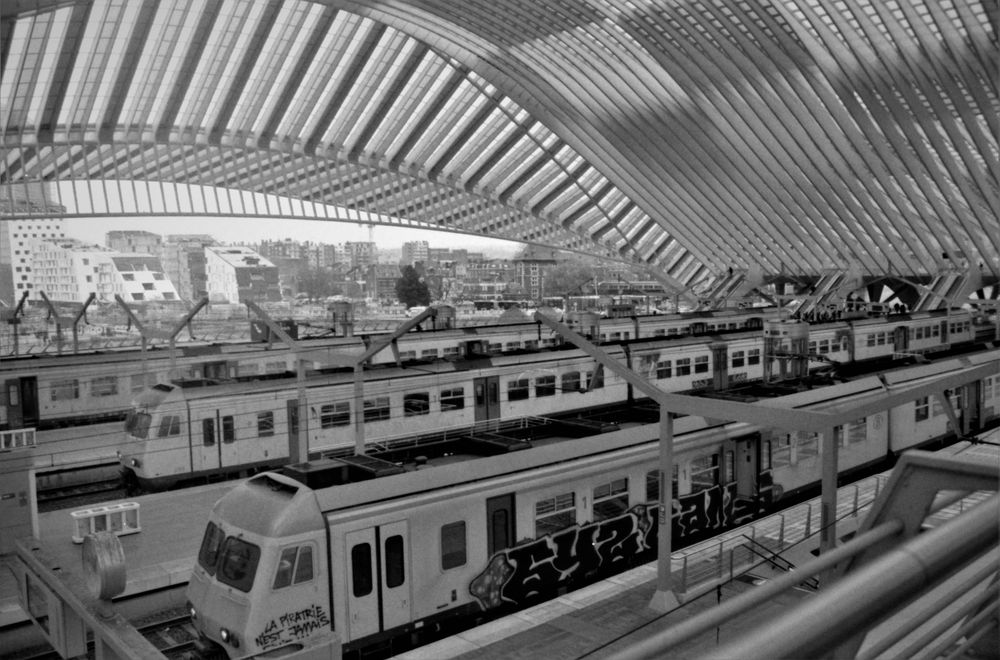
159, 556
72, 447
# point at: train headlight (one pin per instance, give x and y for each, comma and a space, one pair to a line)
193, 612
134, 462
229, 638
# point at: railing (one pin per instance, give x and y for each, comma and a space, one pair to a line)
17, 439
705, 565
775, 560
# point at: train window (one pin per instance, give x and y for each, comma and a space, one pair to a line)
611, 500
429, 353
208, 554
361, 570
450, 351
494, 348
248, 369
453, 545
517, 389
304, 565
395, 569
704, 472
571, 381
857, 432
554, 513
545, 385
730, 468
283, 577
824, 346
407, 355
765, 455
595, 379
453, 399
294, 567
104, 386
753, 356
664, 369
208, 431
137, 424
335, 414
238, 563
659, 332
921, 409
228, 429
701, 364
872, 339
416, 403
64, 390
738, 358
812, 347
684, 366
13, 395
169, 425
882, 338
377, 409
512, 346
265, 423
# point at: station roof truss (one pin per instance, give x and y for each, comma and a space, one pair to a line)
689, 136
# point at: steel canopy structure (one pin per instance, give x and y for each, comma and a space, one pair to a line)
691, 136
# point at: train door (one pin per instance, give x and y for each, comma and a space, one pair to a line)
22, 402
901, 339
228, 448
394, 568
487, 393
362, 596
499, 523
378, 578
205, 450
720, 366
745, 462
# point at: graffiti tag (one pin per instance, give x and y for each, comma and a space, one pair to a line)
293, 626
516, 575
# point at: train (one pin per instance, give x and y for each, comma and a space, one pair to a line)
371, 554
183, 432
45, 392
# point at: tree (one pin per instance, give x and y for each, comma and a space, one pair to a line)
411, 290
569, 278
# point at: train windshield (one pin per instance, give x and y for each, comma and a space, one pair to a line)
137, 424
208, 555
238, 563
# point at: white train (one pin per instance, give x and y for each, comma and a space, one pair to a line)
186, 431
71, 390
328, 553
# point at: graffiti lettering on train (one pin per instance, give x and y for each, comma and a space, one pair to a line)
517, 574
292, 626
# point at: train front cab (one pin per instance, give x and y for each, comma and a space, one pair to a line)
260, 587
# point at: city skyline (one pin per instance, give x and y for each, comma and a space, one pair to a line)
254, 230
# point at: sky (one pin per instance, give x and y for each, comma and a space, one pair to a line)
252, 230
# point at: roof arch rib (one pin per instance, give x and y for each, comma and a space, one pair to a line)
686, 137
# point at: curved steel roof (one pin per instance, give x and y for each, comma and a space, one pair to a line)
689, 135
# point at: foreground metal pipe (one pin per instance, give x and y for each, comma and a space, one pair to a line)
654, 647
863, 598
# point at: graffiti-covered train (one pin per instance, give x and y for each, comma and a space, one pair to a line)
48, 391
381, 549
186, 431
